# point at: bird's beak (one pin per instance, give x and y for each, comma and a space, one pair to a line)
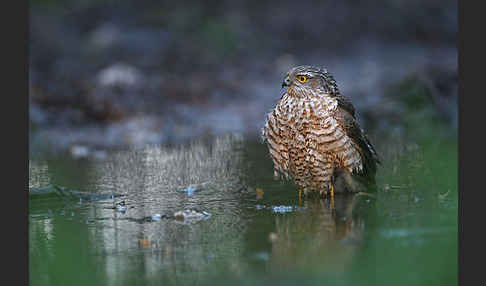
286, 82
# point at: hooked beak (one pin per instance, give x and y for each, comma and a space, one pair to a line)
286, 82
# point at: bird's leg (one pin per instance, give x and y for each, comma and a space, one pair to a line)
300, 195
331, 197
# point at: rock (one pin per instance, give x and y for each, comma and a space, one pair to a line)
120, 74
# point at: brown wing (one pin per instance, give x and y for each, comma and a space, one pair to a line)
345, 103
346, 119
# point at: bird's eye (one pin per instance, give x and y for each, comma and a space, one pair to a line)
302, 78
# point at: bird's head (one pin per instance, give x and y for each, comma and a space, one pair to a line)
305, 81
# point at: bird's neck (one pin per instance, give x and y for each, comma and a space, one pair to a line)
308, 106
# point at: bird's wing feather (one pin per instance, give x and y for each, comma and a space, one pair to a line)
345, 103
348, 122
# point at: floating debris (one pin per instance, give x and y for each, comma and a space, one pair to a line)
144, 243
405, 186
282, 209
259, 193
152, 218
191, 214
443, 196
156, 217
121, 207
190, 190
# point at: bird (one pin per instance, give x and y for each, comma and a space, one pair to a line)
314, 139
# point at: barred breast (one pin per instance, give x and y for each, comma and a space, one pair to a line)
307, 144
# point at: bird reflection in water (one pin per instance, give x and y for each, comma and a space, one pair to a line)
325, 237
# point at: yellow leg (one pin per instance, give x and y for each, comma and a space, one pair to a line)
331, 197
300, 195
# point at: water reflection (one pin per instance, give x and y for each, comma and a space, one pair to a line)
145, 239
38, 174
324, 238
255, 224
152, 181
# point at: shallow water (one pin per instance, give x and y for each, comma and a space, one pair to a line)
254, 231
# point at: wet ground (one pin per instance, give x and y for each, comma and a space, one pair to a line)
210, 213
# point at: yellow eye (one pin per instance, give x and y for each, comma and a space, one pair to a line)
302, 78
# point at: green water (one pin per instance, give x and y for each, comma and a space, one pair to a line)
406, 236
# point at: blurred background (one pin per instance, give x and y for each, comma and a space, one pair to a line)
111, 74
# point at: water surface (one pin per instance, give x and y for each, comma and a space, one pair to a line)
258, 231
